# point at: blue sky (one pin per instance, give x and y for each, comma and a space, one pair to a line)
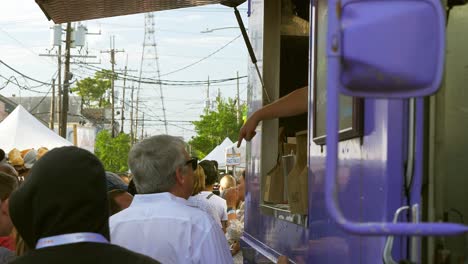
25, 33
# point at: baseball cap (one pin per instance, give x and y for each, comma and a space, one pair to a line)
30, 158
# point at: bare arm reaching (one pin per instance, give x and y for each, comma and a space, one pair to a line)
292, 104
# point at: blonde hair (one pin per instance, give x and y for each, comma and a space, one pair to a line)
198, 181
228, 181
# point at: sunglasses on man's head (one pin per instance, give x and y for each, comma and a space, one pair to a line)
194, 162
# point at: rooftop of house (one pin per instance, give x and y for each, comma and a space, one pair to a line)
39, 107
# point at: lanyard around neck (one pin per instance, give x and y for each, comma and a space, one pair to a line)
70, 239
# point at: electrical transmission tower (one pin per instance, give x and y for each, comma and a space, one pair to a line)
150, 65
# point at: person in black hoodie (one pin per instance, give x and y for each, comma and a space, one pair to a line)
61, 212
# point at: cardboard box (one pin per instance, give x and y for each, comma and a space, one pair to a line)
274, 185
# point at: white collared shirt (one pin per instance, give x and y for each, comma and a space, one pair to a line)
165, 228
211, 204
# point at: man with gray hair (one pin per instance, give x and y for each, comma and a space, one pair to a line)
159, 223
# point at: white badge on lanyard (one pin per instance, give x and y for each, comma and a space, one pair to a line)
70, 239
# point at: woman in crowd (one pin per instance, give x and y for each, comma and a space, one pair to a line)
201, 198
235, 202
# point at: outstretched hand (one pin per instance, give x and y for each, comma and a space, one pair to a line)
247, 131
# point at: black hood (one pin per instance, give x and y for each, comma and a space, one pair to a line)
65, 193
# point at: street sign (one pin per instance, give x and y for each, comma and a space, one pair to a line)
233, 158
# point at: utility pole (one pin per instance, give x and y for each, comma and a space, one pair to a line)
143, 126
136, 111
131, 116
122, 116
239, 121
62, 103
207, 104
66, 82
60, 93
113, 92
59, 89
112, 52
52, 106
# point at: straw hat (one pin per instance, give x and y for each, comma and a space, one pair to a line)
14, 157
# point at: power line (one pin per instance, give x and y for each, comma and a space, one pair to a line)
40, 102
202, 59
163, 81
20, 43
15, 81
172, 121
22, 74
183, 68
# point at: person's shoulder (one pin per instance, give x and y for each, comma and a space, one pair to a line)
84, 253
121, 216
219, 200
199, 215
6, 255
28, 257
196, 198
195, 210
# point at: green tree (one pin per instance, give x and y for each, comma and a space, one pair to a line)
113, 152
215, 125
92, 90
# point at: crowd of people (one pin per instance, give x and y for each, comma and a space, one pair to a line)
64, 207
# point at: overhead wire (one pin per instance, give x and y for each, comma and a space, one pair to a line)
40, 102
22, 45
15, 81
157, 118
22, 74
202, 59
43, 98
146, 80
183, 68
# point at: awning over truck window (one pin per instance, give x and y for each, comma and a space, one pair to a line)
62, 11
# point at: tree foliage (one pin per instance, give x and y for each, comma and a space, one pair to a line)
215, 125
93, 90
113, 152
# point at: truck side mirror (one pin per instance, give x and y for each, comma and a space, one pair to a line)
391, 48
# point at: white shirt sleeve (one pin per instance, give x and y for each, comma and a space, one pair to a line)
214, 247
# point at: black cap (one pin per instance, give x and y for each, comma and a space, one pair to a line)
64, 193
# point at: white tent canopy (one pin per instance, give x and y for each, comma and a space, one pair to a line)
22, 130
219, 153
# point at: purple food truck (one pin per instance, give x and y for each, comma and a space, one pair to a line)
384, 182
